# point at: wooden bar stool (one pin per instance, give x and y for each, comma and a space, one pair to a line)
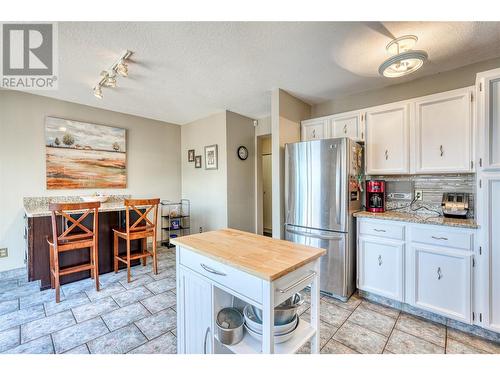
142, 228
76, 236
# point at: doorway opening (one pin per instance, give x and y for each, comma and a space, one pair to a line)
264, 186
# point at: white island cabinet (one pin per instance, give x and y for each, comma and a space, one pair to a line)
216, 268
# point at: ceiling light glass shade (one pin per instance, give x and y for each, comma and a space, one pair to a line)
122, 69
98, 92
402, 64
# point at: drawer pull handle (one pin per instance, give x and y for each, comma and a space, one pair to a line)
386, 154
345, 129
286, 290
440, 274
380, 260
211, 270
379, 230
440, 238
441, 150
314, 133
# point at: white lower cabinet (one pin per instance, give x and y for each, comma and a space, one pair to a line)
426, 266
441, 281
194, 320
380, 266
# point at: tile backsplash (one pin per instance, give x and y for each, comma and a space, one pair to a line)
432, 186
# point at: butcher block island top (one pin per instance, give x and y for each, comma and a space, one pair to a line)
263, 257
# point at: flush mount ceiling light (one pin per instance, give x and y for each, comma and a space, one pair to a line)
405, 60
108, 77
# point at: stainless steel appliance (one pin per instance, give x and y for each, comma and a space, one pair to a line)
321, 193
455, 204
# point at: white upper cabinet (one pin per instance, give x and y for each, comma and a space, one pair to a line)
387, 139
314, 129
443, 132
488, 88
347, 125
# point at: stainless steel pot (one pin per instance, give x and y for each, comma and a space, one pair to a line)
285, 312
229, 326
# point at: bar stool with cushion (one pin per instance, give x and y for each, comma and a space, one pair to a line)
76, 236
140, 229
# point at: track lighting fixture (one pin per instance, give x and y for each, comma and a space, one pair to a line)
108, 77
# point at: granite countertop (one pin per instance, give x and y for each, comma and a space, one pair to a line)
419, 219
39, 206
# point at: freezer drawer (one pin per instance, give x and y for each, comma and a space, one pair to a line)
337, 265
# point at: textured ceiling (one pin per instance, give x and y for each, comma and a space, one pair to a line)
185, 71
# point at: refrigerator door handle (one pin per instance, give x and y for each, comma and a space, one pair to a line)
314, 235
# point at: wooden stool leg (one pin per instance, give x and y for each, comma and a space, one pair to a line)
144, 250
56, 277
128, 259
91, 254
115, 252
51, 266
95, 250
155, 260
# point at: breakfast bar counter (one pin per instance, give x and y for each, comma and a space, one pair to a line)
215, 268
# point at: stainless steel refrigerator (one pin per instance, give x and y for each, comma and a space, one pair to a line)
321, 193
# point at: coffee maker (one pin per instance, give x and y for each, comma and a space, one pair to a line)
375, 196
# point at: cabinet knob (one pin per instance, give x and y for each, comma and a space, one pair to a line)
386, 154
380, 260
439, 273
441, 150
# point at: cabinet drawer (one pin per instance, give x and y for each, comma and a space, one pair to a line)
442, 237
442, 281
231, 278
381, 229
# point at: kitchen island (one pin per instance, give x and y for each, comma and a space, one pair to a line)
215, 268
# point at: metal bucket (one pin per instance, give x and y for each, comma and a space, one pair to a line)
229, 326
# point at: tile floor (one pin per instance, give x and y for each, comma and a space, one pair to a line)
140, 318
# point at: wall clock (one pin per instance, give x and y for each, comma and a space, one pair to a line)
242, 153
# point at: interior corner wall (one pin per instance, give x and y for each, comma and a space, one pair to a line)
287, 112
206, 189
153, 159
240, 131
445, 81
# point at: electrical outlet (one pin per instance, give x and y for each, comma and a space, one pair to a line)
201, 229
419, 195
4, 253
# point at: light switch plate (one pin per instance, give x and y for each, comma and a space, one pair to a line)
4, 252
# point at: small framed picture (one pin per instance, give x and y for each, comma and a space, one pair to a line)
190, 156
197, 161
211, 157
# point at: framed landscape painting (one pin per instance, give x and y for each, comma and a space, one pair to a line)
81, 155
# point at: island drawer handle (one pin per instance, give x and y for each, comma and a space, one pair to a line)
440, 238
286, 290
379, 230
211, 270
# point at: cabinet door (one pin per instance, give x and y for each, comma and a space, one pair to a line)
442, 281
443, 132
387, 140
194, 313
489, 261
380, 267
313, 129
347, 125
488, 88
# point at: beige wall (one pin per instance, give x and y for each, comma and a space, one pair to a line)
453, 79
153, 159
240, 131
207, 189
286, 113
263, 127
